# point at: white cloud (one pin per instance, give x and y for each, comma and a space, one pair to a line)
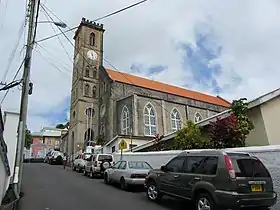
150, 34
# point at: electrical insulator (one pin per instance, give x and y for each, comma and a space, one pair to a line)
30, 88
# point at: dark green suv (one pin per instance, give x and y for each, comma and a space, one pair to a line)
214, 179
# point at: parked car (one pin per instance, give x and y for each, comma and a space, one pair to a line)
96, 164
214, 179
79, 163
127, 173
48, 155
56, 158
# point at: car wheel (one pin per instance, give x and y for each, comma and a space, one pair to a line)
204, 201
123, 184
85, 172
106, 179
153, 192
91, 174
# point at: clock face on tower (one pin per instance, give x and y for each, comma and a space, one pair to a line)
91, 54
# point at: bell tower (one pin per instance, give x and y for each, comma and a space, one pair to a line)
84, 108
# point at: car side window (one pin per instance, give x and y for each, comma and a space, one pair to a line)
192, 163
176, 164
117, 164
209, 166
122, 165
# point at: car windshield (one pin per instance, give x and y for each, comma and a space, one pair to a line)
105, 157
139, 165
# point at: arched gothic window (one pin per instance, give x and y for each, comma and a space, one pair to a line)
175, 120
87, 89
150, 120
92, 39
197, 117
94, 74
125, 121
87, 71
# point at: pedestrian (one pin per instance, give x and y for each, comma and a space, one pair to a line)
65, 161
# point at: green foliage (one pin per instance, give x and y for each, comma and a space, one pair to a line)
233, 130
190, 137
60, 126
100, 140
28, 138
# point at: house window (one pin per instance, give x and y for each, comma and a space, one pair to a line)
113, 149
92, 39
175, 120
125, 121
87, 71
87, 89
197, 117
150, 120
74, 114
89, 112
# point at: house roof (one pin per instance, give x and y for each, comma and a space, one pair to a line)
264, 98
159, 86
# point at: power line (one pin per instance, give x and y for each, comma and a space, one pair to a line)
100, 18
6, 93
11, 58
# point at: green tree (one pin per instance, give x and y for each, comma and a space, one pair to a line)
60, 126
190, 137
28, 138
100, 140
233, 130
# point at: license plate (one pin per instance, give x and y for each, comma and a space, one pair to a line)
256, 188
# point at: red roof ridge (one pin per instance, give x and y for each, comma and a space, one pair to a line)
164, 87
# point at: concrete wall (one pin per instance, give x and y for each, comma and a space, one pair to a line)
3, 180
271, 115
10, 134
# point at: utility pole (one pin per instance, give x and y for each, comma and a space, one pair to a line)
17, 177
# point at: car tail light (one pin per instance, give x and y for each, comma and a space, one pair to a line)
83, 156
230, 168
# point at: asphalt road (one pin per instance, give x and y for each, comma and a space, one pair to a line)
48, 187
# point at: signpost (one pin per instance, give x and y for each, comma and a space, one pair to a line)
122, 146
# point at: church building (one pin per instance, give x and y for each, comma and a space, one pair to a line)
106, 103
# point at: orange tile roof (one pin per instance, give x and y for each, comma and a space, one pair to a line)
159, 86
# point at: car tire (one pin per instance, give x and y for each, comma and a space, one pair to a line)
106, 179
85, 172
91, 174
153, 192
203, 201
123, 184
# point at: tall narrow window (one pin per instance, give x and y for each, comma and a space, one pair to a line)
125, 121
197, 117
92, 39
87, 89
94, 74
175, 120
87, 71
150, 120
93, 91
72, 142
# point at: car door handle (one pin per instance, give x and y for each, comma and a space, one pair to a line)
197, 178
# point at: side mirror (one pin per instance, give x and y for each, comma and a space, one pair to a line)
163, 168
113, 167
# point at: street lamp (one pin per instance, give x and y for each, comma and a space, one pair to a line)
59, 24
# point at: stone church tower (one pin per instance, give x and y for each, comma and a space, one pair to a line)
84, 108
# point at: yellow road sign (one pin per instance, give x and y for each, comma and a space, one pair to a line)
122, 145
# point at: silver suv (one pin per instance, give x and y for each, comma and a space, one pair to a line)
97, 163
